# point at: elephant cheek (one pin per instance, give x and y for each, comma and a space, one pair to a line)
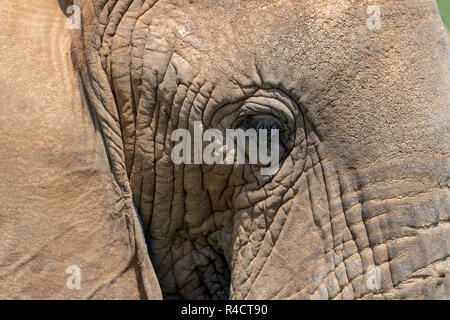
288, 262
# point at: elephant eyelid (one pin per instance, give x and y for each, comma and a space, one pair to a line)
264, 122
260, 122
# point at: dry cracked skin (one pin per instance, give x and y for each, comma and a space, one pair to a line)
359, 208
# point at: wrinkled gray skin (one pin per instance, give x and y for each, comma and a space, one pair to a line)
359, 207
364, 181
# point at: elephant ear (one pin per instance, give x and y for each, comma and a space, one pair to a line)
91, 48
68, 228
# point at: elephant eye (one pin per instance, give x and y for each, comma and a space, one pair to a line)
263, 126
264, 122
260, 122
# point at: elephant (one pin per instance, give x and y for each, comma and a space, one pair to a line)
93, 207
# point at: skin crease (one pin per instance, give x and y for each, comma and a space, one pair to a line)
60, 205
363, 187
362, 190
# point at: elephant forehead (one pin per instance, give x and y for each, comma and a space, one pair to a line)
353, 81
235, 36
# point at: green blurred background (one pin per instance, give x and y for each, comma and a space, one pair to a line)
444, 8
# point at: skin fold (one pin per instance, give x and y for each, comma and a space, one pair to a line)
357, 210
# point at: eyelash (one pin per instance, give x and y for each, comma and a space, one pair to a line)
260, 122
263, 122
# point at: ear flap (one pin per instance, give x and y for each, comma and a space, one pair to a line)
92, 48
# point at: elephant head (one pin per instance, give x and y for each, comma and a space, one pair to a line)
358, 208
